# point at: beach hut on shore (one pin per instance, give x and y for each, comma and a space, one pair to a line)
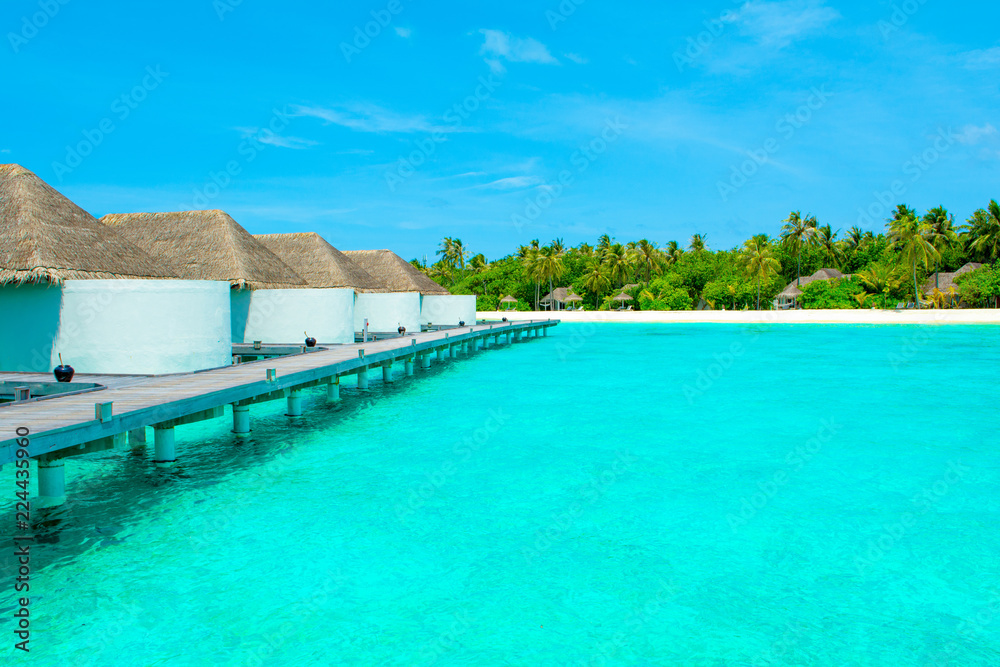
788, 298
406, 297
333, 279
268, 300
71, 286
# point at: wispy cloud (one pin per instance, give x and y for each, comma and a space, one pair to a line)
982, 58
512, 183
271, 139
972, 135
577, 58
777, 24
405, 33
499, 46
375, 119
4, 150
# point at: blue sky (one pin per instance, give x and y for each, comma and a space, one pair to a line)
500, 122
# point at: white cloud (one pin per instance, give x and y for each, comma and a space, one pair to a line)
982, 58
512, 183
972, 135
372, 118
501, 45
777, 24
577, 58
405, 33
269, 138
4, 150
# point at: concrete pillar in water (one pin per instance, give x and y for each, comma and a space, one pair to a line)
387, 372
425, 360
52, 481
165, 454
465, 348
440, 354
545, 332
137, 437
333, 389
295, 403
363, 377
241, 419
409, 366
496, 340
509, 338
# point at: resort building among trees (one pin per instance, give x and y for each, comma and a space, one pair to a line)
71, 286
788, 297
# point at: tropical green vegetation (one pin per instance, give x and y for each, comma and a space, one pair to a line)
883, 269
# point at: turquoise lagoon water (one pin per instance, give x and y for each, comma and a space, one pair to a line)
611, 495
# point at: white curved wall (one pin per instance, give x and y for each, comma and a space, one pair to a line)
448, 310
116, 326
283, 316
386, 312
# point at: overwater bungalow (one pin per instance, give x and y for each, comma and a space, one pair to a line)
269, 301
334, 280
406, 296
72, 286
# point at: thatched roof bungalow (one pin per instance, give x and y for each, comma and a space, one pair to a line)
788, 297
77, 288
945, 281
405, 296
269, 301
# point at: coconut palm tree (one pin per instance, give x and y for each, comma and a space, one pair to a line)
649, 258
673, 252
698, 243
616, 263
825, 239
757, 258
880, 279
796, 233
604, 243
983, 232
942, 235
531, 270
911, 237
855, 237
596, 281
550, 265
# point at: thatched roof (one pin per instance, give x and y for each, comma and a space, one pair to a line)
393, 273
46, 238
207, 245
794, 289
508, 299
560, 294
318, 262
945, 281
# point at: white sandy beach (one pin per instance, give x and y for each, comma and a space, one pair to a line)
971, 316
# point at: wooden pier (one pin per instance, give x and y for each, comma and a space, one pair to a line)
83, 423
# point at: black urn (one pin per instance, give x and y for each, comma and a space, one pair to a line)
505, 319
462, 323
310, 341
63, 372
401, 330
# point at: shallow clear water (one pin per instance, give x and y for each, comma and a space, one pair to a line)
619, 495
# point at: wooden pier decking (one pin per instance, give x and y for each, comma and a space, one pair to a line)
68, 426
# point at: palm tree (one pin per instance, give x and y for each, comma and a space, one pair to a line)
604, 243
596, 281
530, 263
911, 238
942, 235
648, 257
880, 279
795, 234
616, 263
673, 252
758, 259
983, 232
825, 239
459, 255
698, 243
550, 266
557, 245
446, 249
855, 237
586, 250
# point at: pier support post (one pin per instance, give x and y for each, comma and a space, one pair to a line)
165, 454
465, 348
137, 437
545, 332
496, 340
440, 354
387, 372
52, 481
241, 419
425, 361
509, 338
333, 389
409, 366
363, 377
295, 403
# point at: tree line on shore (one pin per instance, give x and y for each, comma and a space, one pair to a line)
881, 269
